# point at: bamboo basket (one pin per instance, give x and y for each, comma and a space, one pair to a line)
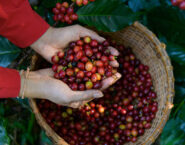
151, 52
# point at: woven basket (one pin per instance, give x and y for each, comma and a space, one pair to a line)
151, 52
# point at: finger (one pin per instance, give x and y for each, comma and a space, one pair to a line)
46, 72
114, 63
75, 104
110, 81
86, 95
113, 51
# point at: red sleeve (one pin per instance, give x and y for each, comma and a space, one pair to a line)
9, 83
19, 23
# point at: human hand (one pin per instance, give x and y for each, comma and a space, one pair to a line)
41, 84
56, 39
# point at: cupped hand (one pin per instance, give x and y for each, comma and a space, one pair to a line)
41, 84
56, 39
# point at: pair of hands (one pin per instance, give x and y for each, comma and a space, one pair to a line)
41, 84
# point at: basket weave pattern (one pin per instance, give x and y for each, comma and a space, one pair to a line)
151, 52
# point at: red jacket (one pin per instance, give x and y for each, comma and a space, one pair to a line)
22, 26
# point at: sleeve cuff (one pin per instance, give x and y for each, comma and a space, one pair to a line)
10, 83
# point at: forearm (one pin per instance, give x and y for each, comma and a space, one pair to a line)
19, 23
32, 86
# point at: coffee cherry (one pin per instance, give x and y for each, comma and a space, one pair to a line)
70, 11
71, 79
108, 73
99, 63
89, 85
62, 74
88, 66
94, 78
74, 86
54, 67
60, 55
81, 65
84, 59
129, 119
66, 18
77, 48
105, 43
104, 58
78, 55
94, 43
98, 55
123, 111
79, 2
182, 5
98, 76
94, 69
101, 109
85, 2
74, 17
176, 2
81, 87
88, 74
80, 74
69, 72
65, 4
55, 59
97, 85
55, 11
59, 68
87, 39
63, 10
89, 52
101, 71
111, 58
56, 75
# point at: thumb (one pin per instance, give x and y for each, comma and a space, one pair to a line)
87, 95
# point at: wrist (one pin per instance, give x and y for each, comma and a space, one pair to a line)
43, 41
23, 78
28, 85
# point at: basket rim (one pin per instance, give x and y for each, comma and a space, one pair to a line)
160, 47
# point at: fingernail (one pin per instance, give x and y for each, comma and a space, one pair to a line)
98, 94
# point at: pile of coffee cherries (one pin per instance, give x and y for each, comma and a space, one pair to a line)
84, 64
82, 2
64, 13
121, 116
179, 3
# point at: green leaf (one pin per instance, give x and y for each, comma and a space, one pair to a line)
49, 3
168, 21
173, 133
179, 72
45, 138
182, 113
179, 94
107, 16
23, 102
40, 10
137, 5
176, 53
8, 52
49, 18
4, 139
123, 0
